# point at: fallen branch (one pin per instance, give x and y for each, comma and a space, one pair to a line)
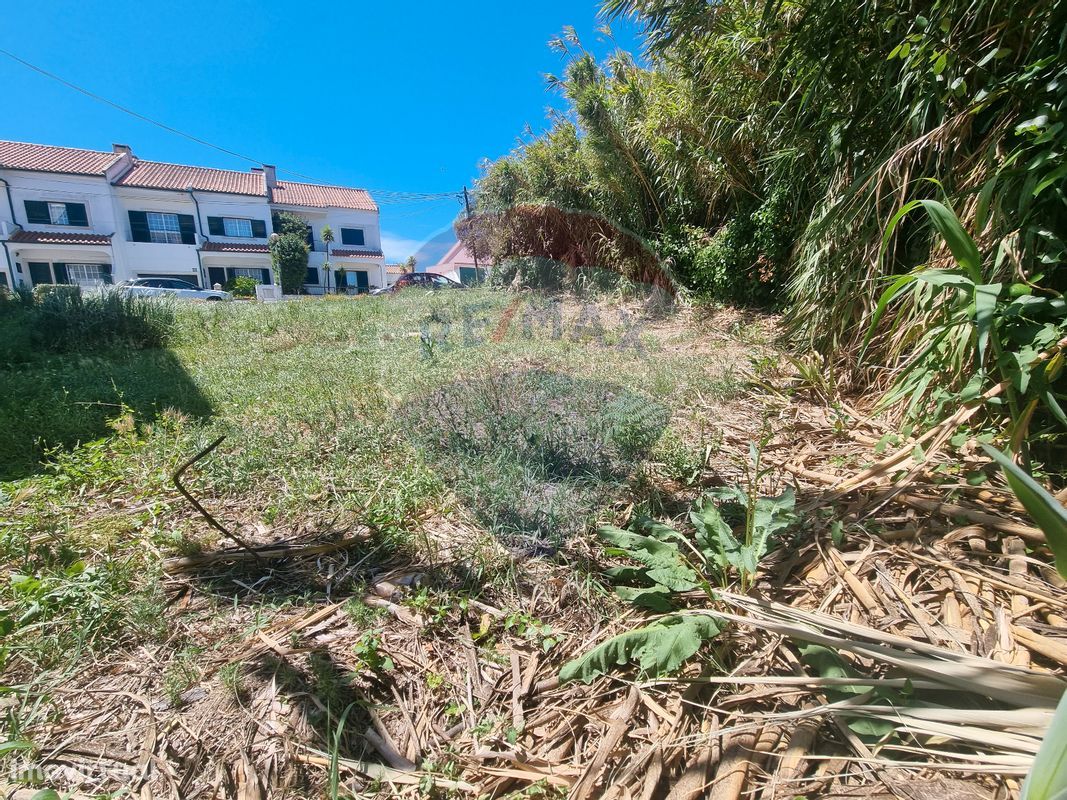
214, 523
263, 553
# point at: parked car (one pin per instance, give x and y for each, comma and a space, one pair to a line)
170, 287
423, 280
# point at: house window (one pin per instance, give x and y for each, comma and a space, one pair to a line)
247, 272
352, 236
46, 212
57, 213
237, 227
88, 274
164, 228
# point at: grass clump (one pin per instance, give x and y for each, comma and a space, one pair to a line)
68, 321
535, 453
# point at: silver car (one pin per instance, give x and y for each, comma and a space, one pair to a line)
170, 287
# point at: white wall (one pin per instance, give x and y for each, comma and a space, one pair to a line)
92, 192
179, 259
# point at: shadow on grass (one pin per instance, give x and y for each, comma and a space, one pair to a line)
536, 454
61, 400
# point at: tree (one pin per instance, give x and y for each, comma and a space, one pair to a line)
409, 265
289, 254
327, 239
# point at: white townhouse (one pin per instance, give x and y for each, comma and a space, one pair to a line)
93, 218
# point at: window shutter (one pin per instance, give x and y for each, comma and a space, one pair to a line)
76, 215
352, 236
61, 272
139, 226
311, 237
37, 213
259, 229
266, 277
215, 226
187, 225
106, 270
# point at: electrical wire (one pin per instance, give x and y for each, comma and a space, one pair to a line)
383, 195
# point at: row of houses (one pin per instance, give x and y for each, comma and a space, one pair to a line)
93, 218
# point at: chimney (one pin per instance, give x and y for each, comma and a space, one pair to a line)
271, 174
122, 148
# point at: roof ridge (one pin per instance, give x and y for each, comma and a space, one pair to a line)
192, 166
62, 147
328, 186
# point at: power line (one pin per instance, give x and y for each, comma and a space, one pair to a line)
386, 195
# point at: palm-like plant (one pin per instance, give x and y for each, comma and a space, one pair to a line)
327, 240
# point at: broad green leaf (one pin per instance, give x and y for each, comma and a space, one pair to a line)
1047, 513
650, 552
985, 305
677, 579
657, 649
715, 538
772, 514
829, 664
944, 219
656, 598
1048, 775
627, 575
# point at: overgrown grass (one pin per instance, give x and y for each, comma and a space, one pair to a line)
326, 411
68, 321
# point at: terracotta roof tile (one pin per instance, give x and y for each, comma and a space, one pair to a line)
395, 269
234, 247
160, 175
42, 237
48, 158
357, 253
318, 196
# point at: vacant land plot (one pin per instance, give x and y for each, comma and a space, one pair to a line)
395, 556
417, 429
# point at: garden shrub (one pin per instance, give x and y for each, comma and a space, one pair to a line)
241, 286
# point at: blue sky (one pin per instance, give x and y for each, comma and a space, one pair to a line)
399, 97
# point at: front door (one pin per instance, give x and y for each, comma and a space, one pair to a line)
216, 275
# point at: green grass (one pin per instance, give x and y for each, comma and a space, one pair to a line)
327, 409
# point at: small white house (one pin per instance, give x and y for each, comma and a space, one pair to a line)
89, 217
459, 265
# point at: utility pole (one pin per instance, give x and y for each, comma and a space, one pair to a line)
474, 250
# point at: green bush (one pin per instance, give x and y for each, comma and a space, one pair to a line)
66, 290
744, 261
64, 321
241, 286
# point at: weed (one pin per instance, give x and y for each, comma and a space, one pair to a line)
231, 679
180, 676
369, 654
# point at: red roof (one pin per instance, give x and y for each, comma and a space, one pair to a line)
395, 269
160, 175
234, 247
319, 196
39, 237
357, 253
48, 158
